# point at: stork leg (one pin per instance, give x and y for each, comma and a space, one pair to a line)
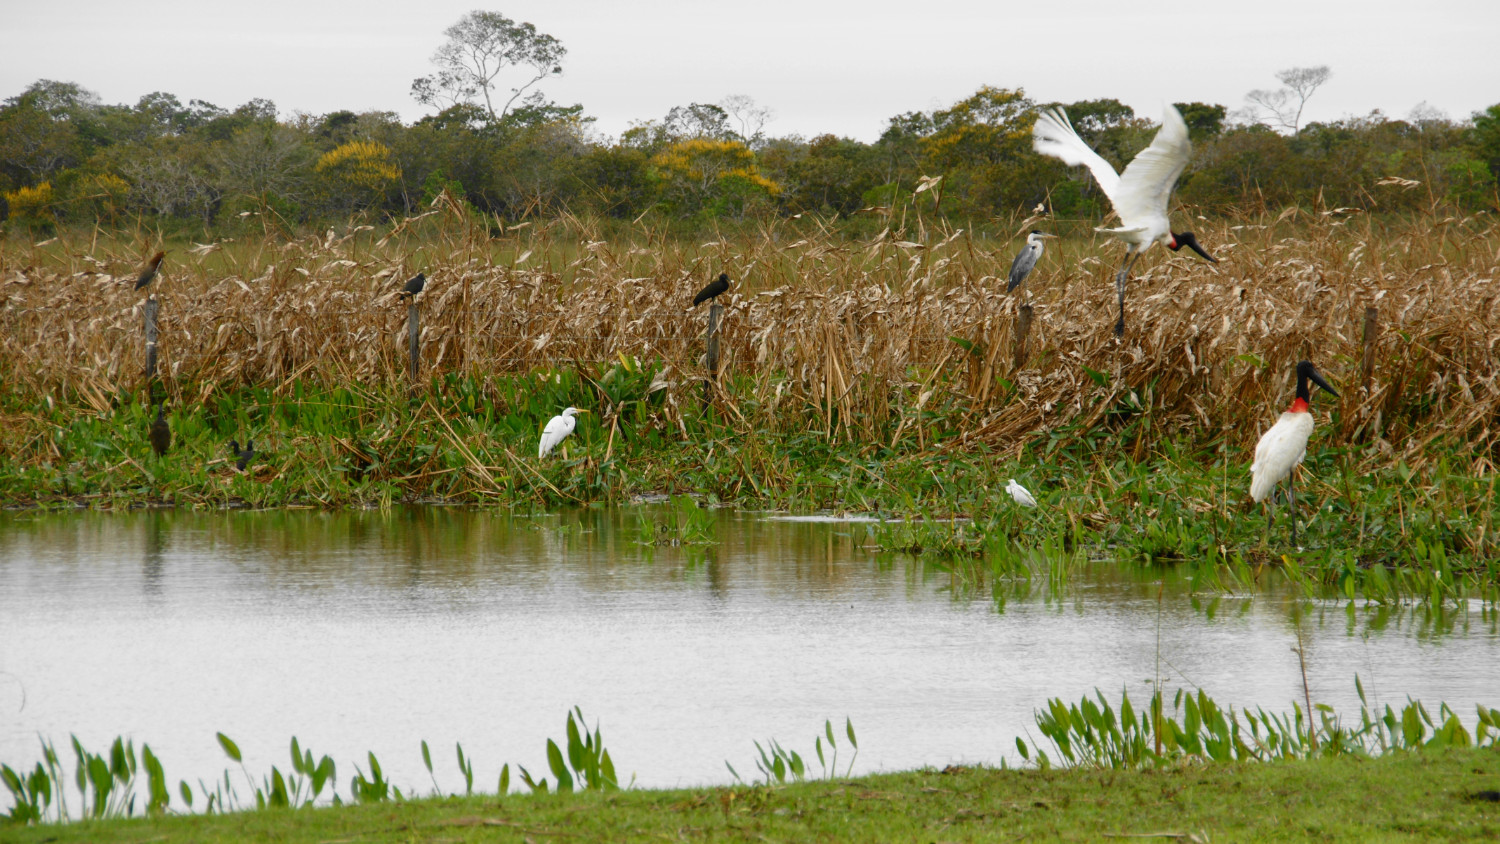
1291, 486
1270, 518
1120, 277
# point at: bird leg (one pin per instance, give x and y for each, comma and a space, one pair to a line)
1291, 487
1120, 277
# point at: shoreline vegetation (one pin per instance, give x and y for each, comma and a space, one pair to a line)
1189, 741
880, 375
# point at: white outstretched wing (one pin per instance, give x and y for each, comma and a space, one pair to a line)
1053, 135
1146, 185
556, 431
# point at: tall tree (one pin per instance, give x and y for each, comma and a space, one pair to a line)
1282, 108
480, 47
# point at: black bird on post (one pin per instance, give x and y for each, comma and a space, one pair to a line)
244, 457
149, 272
714, 288
161, 433
414, 286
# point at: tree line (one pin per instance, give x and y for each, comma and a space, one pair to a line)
67, 158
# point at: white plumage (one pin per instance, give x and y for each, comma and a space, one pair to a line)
1020, 494
558, 428
1279, 451
1140, 196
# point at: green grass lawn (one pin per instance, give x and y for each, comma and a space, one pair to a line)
1428, 796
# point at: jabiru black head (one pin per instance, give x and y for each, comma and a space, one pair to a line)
1187, 239
1307, 372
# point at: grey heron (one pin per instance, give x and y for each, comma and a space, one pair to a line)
1026, 259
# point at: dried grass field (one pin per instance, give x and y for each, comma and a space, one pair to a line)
866, 336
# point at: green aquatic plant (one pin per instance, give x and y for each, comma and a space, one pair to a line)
776, 764
1095, 733
586, 766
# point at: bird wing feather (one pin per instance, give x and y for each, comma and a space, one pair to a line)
557, 430
1146, 185
1021, 266
1021, 494
1279, 449
1053, 135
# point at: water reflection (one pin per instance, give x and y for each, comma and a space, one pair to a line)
373, 630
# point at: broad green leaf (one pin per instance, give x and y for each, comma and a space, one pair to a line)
232, 749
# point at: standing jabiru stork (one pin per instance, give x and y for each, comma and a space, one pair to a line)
1282, 447
1139, 196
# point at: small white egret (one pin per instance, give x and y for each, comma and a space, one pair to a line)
1020, 494
1139, 196
558, 428
1026, 259
1283, 446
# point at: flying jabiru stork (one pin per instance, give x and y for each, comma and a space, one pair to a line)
1283, 446
1139, 195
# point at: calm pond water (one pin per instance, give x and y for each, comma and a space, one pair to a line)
370, 631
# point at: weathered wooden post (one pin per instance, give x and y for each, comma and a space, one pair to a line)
413, 332
1367, 366
151, 305
711, 351
1023, 330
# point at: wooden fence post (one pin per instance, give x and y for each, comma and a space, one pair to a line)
1023, 330
1367, 366
413, 332
711, 351
151, 306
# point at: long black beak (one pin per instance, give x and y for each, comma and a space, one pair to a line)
1318, 379
1187, 239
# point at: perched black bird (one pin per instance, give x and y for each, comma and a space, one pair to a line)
714, 288
414, 286
150, 271
161, 433
244, 456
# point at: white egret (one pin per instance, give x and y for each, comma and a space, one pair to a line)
1026, 259
1283, 446
1020, 494
1139, 196
558, 428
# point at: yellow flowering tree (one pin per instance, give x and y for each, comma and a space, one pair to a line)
357, 173
716, 176
32, 206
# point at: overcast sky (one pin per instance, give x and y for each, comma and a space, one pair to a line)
822, 65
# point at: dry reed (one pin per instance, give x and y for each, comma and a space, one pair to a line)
854, 333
